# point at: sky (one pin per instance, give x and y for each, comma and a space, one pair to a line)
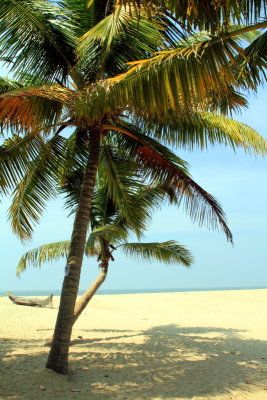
237, 180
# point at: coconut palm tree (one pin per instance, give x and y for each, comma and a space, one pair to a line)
51, 163
110, 229
122, 204
70, 67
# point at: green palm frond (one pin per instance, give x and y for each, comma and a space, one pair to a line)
104, 209
186, 77
228, 102
161, 165
121, 183
16, 154
248, 36
116, 40
37, 186
74, 157
169, 252
258, 48
117, 189
47, 253
255, 64
7, 85
71, 188
85, 17
39, 37
204, 14
111, 233
202, 73
157, 194
201, 129
72, 171
240, 134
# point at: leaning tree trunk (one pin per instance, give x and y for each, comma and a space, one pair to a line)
89, 293
58, 356
81, 304
104, 257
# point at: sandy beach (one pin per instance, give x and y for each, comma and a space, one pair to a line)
190, 345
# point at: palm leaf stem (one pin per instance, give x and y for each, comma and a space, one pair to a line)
245, 29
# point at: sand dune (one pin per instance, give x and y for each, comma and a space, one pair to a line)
197, 345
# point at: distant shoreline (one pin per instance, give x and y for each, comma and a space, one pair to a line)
129, 291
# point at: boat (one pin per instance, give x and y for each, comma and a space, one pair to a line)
33, 302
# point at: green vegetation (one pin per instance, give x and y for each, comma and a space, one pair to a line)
70, 63
111, 225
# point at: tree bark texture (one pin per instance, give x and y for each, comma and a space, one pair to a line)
58, 355
89, 293
82, 303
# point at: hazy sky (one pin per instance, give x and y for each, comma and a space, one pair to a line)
238, 181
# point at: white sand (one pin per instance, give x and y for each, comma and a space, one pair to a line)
196, 345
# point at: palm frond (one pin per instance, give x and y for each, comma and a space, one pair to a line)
31, 108
258, 48
38, 37
74, 157
169, 252
71, 188
155, 194
201, 129
46, 253
121, 183
104, 209
247, 36
111, 233
36, 187
161, 165
151, 156
7, 85
16, 154
255, 64
85, 17
116, 40
204, 14
187, 77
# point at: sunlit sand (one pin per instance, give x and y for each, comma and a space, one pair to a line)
195, 345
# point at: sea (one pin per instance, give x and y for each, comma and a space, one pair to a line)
129, 291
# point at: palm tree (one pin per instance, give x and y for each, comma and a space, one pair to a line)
70, 68
121, 203
168, 252
113, 221
110, 230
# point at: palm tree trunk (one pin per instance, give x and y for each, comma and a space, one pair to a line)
58, 356
81, 304
104, 257
89, 293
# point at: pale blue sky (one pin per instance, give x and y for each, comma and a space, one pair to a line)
238, 181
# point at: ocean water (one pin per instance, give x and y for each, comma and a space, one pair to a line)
128, 291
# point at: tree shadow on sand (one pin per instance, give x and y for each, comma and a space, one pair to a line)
165, 362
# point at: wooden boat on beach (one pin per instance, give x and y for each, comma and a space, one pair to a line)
34, 302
